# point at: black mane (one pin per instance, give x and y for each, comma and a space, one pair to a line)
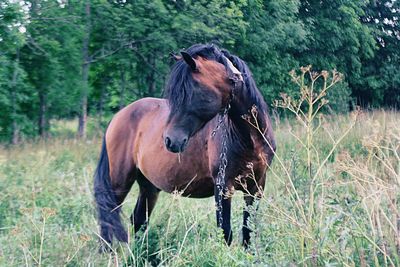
250, 90
180, 85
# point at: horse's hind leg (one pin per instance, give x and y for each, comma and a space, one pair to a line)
145, 203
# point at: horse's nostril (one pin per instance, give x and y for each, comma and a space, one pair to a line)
167, 142
184, 141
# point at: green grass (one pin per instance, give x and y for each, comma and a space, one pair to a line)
47, 214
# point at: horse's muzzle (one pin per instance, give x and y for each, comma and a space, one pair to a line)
175, 146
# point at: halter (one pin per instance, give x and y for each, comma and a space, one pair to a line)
236, 78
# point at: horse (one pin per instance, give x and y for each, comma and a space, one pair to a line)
194, 140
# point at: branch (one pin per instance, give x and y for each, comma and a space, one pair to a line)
130, 44
93, 58
36, 46
146, 62
66, 18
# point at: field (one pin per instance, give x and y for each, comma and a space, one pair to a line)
347, 213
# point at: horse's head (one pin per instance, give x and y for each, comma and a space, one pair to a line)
200, 86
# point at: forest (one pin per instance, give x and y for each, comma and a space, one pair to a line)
69, 59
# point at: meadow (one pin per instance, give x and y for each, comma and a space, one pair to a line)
47, 215
332, 198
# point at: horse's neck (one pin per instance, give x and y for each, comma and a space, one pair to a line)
244, 115
248, 104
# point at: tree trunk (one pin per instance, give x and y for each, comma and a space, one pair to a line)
103, 86
14, 124
83, 113
122, 92
42, 120
15, 133
42, 114
85, 75
151, 77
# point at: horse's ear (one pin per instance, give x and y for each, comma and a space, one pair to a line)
189, 60
175, 57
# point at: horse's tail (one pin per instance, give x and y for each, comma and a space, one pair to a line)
107, 206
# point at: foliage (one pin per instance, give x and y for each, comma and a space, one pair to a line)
43, 47
382, 76
270, 44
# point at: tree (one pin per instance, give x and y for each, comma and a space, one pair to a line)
14, 89
50, 70
62, 59
338, 40
102, 37
381, 82
272, 39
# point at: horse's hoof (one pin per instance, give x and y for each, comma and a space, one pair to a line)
228, 238
104, 247
246, 246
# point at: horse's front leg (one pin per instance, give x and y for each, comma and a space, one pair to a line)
223, 203
252, 195
249, 200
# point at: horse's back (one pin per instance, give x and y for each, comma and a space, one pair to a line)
126, 121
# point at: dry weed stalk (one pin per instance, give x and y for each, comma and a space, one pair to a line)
313, 88
376, 178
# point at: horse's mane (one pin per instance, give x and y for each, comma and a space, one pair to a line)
250, 90
180, 85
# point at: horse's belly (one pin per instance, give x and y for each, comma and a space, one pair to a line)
185, 178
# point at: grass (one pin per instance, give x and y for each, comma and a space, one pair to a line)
326, 203
48, 218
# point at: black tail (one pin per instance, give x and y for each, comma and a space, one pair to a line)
107, 206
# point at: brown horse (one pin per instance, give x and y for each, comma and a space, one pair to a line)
187, 142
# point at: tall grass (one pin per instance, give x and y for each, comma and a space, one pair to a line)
340, 180
332, 198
